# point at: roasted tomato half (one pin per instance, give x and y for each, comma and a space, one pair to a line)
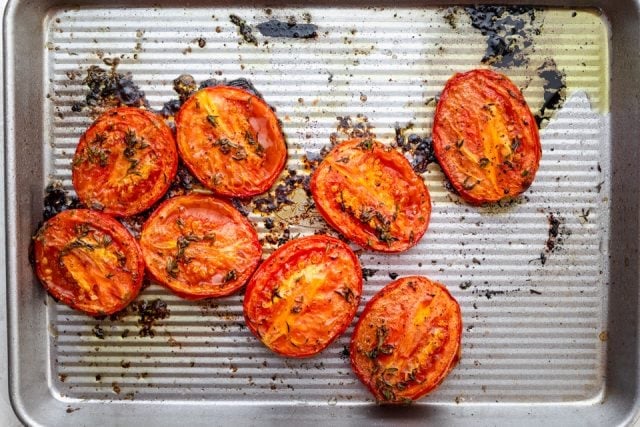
199, 246
89, 261
485, 137
304, 295
406, 340
370, 194
124, 162
231, 141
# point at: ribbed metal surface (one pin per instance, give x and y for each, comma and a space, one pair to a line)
532, 331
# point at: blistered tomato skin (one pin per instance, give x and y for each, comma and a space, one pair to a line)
407, 340
88, 261
124, 162
485, 137
372, 196
199, 246
304, 295
231, 141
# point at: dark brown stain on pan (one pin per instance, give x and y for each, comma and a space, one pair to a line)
56, 200
417, 149
244, 29
509, 31
555, 90
108, 89
289, 29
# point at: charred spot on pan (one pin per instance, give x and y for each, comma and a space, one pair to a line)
149, 313
354, 128
56, 200
240, 206
184, 85
556, 235
289, 29
488, 293
465, 285
280, 195
418, 150
509, 31
244, 29
451, 16
555, 90
98, 332
345, 354
170, 108
367, 273
108, 89
241, 83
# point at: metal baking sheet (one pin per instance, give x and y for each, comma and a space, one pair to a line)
533, 277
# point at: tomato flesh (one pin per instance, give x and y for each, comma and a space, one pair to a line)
485, 137
231, 141
89, 261
406, 340
370, 194
304, 295
199, 246
124, 162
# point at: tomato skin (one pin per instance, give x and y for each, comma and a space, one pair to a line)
231, 141
88, 261
485, 137
407, 339
371, 195
199, 246
124, 162
304, 295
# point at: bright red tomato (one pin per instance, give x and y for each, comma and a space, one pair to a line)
231, 141
89, 261
370, 194
304, 295
485, 137
124, 162
407, 339
199, 246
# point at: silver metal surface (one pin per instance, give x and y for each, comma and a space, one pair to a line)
538, 339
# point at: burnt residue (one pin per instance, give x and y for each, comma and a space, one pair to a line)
183, 183
149, 312
417, 149
451, 17
488, 293
240, 206
170, 108
56, 200
346, 128
241, 83
289, 29
185, 86
109, 88
555, 89
353, 128
368, 273
556, 235
280, 195
554, 229
465, 285
244, 29
345, 354
98, 332
509, 31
